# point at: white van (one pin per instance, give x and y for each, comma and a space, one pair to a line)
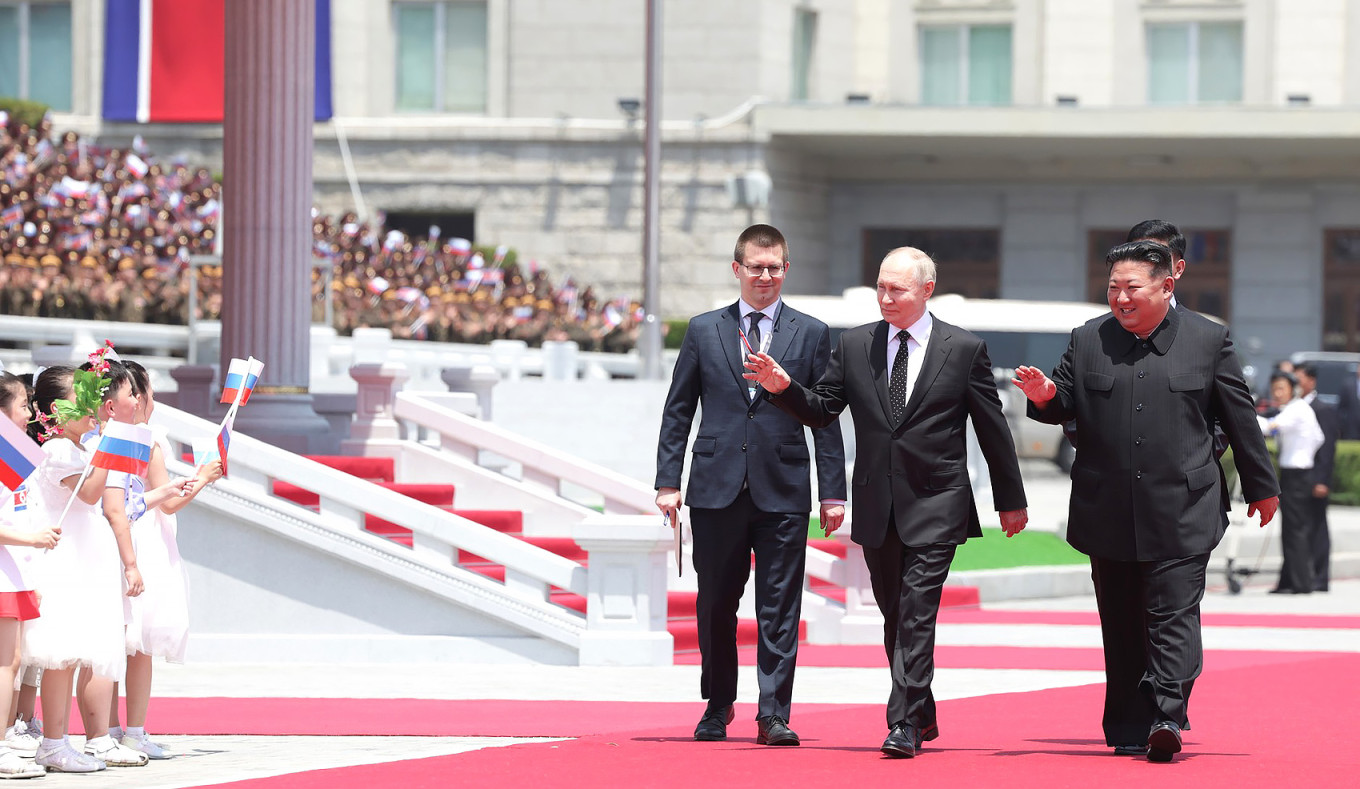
1017, 332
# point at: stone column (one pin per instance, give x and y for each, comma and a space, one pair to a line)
267, 223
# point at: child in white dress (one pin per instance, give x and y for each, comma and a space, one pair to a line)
158, 625
18, 602
80, 583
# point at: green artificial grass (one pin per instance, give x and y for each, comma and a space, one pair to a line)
995, 551
1026, 549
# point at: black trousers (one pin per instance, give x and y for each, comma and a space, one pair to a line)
1321, 545
1150, 626
1296, 529
908, 583
723, 542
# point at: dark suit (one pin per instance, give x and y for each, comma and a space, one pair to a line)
749, 490
911, 495
1329, 419
1146, 504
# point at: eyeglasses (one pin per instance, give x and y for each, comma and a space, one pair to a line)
775, 272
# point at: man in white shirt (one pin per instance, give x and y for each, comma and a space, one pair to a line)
1298, 434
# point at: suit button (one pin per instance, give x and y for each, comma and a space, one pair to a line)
1138, 407
1138, 441
751, 415
1139, 475
1145, 345
743, 447
1142, 374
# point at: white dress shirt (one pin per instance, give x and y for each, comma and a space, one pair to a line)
766, 325
1297, 429
920, 338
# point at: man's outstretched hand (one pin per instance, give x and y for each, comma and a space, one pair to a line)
766, 371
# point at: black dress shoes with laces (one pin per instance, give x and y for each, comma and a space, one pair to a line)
774, 730
1164, 741
1130, 750
713, 726
902, 742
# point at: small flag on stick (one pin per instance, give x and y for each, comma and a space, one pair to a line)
19, 455
124, 447
253, 369
224, 439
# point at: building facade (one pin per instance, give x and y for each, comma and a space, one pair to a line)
1013, 139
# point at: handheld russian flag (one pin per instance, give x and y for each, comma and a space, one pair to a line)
235, 380
253, 369
19, 455
124, 447
224, 439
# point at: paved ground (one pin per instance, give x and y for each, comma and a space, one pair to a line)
206, 760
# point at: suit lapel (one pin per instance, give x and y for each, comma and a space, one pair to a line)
937, 353
729, 340
878, 367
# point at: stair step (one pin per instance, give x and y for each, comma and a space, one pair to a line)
565, 547
834, 547
371, 469
436, 495
686, 634
507, 521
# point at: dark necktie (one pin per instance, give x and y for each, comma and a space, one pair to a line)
753, 339
753, 333
897, 385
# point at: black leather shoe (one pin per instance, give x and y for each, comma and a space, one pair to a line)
902, 742
1164, 741
774, 730
1286, 590
713, 726
1130, 750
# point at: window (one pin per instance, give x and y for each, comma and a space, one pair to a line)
35, 52
1194, 62
1206, 285
441, 56
1341, 289
804, 47
966, 64
968, 262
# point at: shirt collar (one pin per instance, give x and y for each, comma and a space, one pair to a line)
770, 312
1162, 336
919, 331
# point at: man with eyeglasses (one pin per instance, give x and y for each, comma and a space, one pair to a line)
749, 483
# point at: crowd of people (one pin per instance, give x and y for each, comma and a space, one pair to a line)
102, 233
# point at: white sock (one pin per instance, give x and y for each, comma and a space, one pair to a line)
116, 732
50, 744
100, 743
135, 731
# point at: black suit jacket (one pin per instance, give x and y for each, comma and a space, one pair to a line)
1329, 419
742, 440
917, 471
1145, 485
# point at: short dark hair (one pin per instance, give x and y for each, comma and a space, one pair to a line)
12, 388
1162, 231
1307, 368
763, 237
1281, 375
1155, 253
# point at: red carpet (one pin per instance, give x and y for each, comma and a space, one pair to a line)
1255, 725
